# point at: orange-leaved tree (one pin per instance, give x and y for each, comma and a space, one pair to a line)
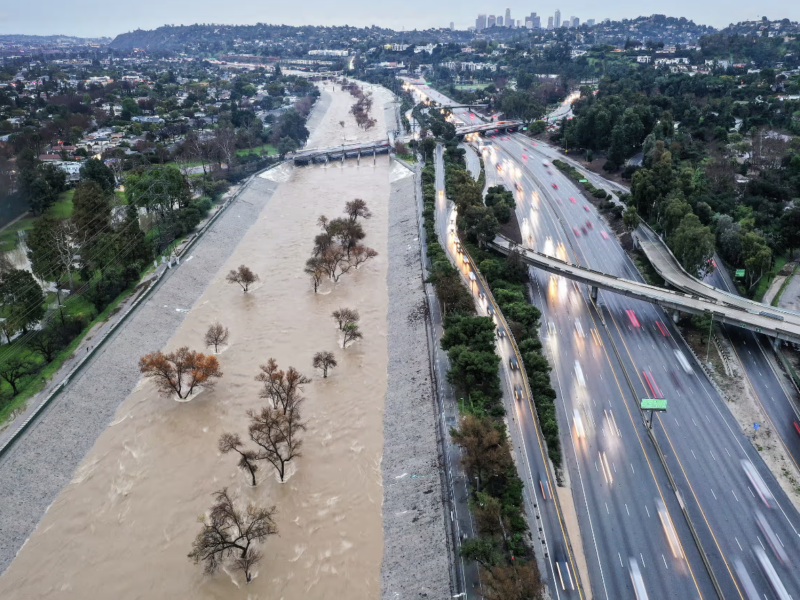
180, 372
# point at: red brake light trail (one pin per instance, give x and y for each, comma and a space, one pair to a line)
651, 383
662, 329
632, 317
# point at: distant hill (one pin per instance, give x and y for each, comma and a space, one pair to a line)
50, 39
216, 38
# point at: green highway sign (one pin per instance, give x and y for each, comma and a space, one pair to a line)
654, 404
582, 180
739, 272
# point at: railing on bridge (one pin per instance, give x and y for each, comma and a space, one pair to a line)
679, 301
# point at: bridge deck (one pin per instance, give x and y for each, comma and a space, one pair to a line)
671, 270
667, 298
379, 146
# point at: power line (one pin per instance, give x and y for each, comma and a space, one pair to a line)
48, 318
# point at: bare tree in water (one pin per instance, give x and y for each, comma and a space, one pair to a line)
277, 435
283, 389
216, 336
247, 462
345, 316
243, 276
357, 208
324, 360
351, 334
231, 533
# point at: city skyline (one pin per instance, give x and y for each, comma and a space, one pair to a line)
532, 21
55, 18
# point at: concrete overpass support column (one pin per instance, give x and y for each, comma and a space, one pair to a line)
593, 292
776, 343
635, 241
374, 157
676, 315
359, 158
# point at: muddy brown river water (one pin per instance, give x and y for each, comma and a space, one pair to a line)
124, 525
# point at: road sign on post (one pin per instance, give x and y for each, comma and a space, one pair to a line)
659, 404
653, 405
739, 273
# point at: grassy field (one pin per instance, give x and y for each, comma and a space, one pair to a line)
763, 285
74, 306
60, 210
267, 149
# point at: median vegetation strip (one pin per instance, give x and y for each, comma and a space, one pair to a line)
578, 177
501, 548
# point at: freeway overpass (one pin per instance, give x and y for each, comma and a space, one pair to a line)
668, 266
486, 127
767, 322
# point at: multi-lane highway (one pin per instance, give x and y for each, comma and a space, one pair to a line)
557, 562
607, 357
703, 444
625, 504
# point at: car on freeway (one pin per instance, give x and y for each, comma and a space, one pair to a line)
758, 483
586, 208
636, 579
501, 333
576, 231
589, 224
545, 163
518, 186
604, 234
583, 229
571, 199
549, 172
580, 432
518, 393
512, 362
555, 186
797, 427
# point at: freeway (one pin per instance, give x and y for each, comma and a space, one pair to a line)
557, 562
461, 519
703, 444
618, 485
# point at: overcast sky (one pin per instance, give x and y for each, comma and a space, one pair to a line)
91, 19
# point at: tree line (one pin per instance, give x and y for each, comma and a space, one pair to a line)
508, 567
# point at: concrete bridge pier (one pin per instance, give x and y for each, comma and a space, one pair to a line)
676, 316
359, 158
776, 343
374, 157
593, 292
